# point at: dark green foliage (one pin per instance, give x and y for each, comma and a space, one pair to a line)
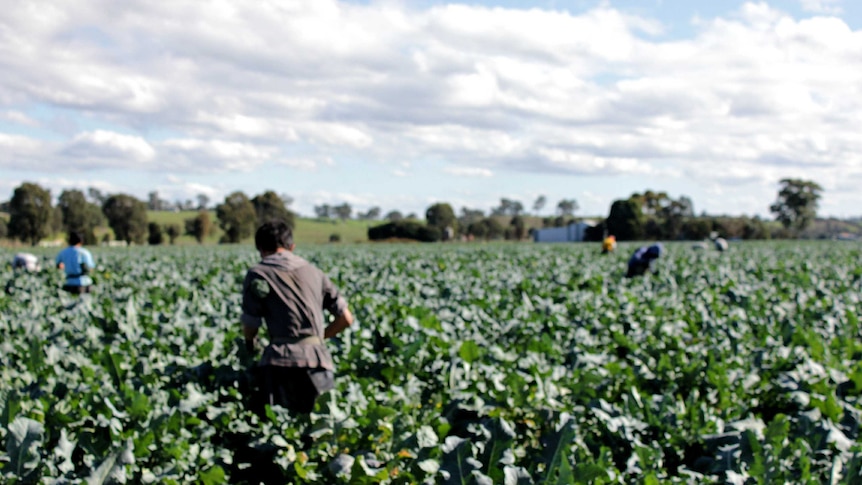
626, 221
173, 231
127, 217
30, 213
488, 228
567, 207
155, 235
80, 215
697, 228
518, 228
55, 224
441, 216
270, 206
342, 211
796, 206
394, 216
596, 233
405, 229
236, 217
199, 226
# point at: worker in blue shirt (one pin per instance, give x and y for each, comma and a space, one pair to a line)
643, 260
77, 262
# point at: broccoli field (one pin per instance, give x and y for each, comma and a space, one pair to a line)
468, 364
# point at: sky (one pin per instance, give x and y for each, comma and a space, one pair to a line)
401, 104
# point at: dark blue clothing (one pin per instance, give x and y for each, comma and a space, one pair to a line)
643, 258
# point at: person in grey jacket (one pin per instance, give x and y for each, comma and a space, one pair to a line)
290, 295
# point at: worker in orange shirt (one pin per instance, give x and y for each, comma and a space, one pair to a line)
609, 244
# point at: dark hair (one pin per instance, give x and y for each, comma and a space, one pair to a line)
273, 235
75, 238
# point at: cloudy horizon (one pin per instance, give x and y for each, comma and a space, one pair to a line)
403, 104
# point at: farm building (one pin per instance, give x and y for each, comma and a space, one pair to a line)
574, 232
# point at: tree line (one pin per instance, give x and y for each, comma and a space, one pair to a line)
32, 217
642, 216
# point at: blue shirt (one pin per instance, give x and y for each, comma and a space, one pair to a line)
72, 257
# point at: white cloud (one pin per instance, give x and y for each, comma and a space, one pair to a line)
241, 125
14, 146
19, 118
581, 163
108, 148
192, 87
469, 172
822, 6
335, 134
179, 189
307, 164
215, 155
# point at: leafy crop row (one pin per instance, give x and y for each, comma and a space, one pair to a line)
483, 364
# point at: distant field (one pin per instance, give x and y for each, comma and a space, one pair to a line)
307, 231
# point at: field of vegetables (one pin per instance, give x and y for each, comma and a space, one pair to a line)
469, 364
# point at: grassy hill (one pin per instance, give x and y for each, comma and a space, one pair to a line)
307, 231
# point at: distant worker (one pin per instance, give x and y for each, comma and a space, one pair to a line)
609, 244
26, 262
720, 244
77, 262
290, 295
643, 260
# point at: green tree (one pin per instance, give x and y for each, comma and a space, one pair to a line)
567, 207
30, 213
97, 196
518, 228
651, 202
626, 221
173, 232
199, 226
236, 217
203, 202
508, 207
673, 215
270, 206
56, 223
405, 229
796, 206
539, 204
478, 229
127, 217
441, 216
493, 228
80, 215
487, 228
372, 214
467, 220
343, 211
696, 228
323, 211
155, 236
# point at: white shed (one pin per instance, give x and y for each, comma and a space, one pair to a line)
574, 232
